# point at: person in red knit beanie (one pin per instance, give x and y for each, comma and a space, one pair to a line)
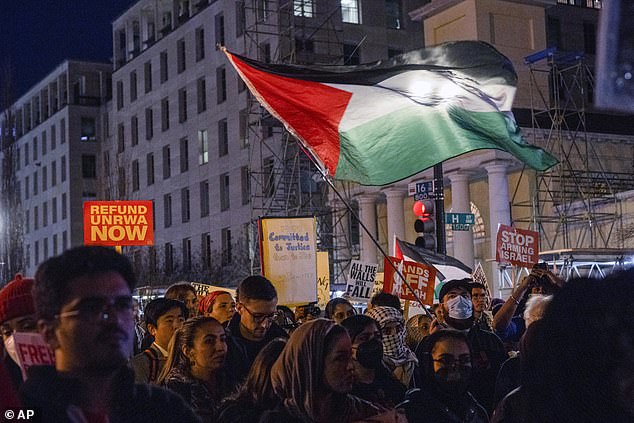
17, 314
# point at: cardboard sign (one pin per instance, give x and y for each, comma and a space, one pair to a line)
361, 280
32, 350
118, 223
289, 258
519, 247
420, 277
323, 279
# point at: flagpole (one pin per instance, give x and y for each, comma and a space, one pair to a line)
365, 229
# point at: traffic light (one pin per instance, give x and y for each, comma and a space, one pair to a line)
425, 224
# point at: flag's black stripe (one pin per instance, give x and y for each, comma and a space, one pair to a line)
475, 59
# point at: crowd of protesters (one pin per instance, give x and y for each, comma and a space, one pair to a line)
551, 352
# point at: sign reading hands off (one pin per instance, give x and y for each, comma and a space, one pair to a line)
117, 223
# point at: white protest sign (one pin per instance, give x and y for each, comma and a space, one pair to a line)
361, 280
32, 350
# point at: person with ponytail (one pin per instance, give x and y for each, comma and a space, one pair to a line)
195, 367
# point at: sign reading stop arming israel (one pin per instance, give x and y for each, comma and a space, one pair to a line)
361, 280
118, 223
519, 247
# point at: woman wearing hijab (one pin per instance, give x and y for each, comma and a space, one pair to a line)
396, 355
445, 364
313, 376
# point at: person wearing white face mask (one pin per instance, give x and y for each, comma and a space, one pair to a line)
486, 347
17, 314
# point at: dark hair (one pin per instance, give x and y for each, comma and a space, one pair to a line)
587, 351
185, 336
256, 288
257, 388
477, 285
55, 275
178, 290
426, 347
383, 299
159, 306
356, 324
332, 305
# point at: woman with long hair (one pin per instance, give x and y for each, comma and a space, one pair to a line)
195, 367
313, 376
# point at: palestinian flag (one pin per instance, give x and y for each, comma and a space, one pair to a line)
379, 123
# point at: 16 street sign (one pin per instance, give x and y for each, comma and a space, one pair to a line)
421, 190
460, 221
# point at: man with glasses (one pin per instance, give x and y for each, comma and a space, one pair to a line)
252, 327
83, 302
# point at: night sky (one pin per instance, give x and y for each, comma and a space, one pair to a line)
38, 35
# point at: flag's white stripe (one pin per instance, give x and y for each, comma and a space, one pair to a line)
424, 88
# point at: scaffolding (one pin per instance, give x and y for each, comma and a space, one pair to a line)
574, 204
283, 181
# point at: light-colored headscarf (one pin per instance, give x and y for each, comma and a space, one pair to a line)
297, 374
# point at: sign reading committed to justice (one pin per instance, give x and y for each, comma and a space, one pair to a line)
361, 280
117, 223
517, 246
421, 278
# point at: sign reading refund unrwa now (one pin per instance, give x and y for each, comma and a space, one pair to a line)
118, 223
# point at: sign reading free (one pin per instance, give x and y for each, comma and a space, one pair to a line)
519, 247
118, 223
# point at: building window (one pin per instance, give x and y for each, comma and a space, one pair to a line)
221, 84
262, 9
53, 174
590, 37
201, 94
185, 213
36, 219
135, 175
120, 138
350, 11
63, 168
150, 168
205, 248
64, 207
35, 149
35, 183
243, 129
88, 129
44, 178
37, 252
54, 210
26, 154
393, 14
245, 179
147, 76
167, 210
44, 214
224, 192
167, 164
149, 124
225, 234
169, 258
182, 105
204, 199
184, 153
163, 66
53, 139
88, 166
134, 130
203, 147
44, 143
241, 18
351, 54
122, 182
119, 95
180, 56
133, 82
187, 253
54, 244
27, 188
553, 32
223, 138
165, 114
27, 221
219, 21
200, 44
305, 8
62, 131
64, 240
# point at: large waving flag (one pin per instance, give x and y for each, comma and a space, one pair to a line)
379, 123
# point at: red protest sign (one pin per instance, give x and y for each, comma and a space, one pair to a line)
116, 223
420, 277
519, 247
32, 350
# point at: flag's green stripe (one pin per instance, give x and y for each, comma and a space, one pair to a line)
406, 141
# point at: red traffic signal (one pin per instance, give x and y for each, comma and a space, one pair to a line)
425, 225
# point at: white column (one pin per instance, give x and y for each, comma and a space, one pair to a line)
395, 215
499, 211
367, 215
461, 203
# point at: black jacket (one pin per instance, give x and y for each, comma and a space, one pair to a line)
425, 405
241, 352
51, 395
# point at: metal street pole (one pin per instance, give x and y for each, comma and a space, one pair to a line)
439, 208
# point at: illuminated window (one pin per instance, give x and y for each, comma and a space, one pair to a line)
305, 8
350, 11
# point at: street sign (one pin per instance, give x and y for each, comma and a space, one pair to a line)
460, 221
421, 190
